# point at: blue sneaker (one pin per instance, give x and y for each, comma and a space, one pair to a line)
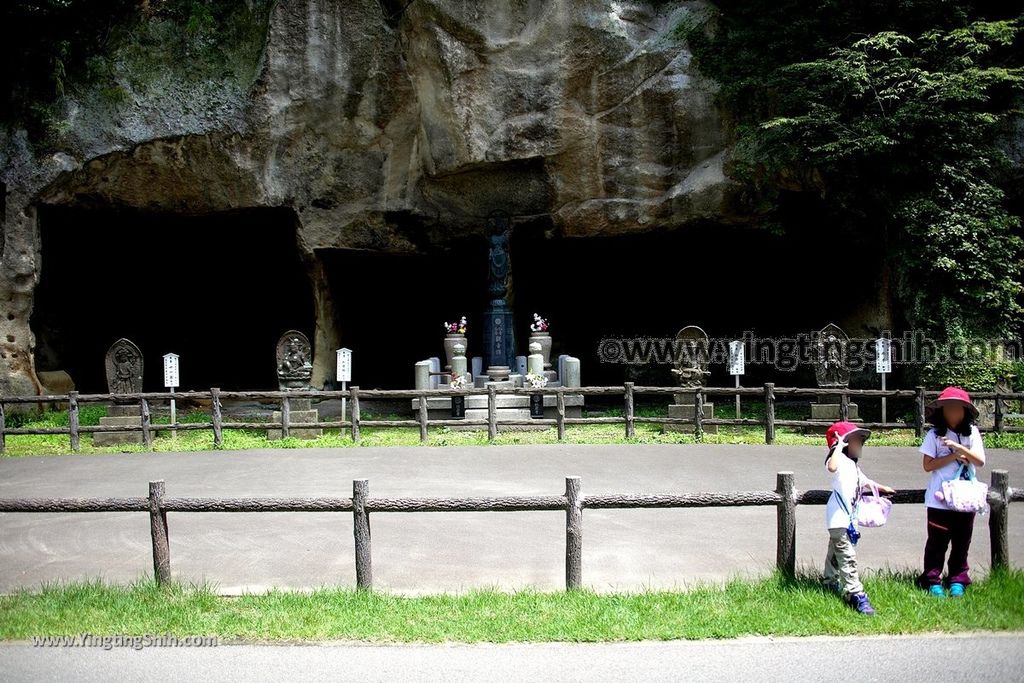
861, 603
936, 590
956, 590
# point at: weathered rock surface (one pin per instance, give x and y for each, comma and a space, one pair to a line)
388, 125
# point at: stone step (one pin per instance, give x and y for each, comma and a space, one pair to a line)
297, 416
120, 421
124, 411
100, 439
502, 414
479, 401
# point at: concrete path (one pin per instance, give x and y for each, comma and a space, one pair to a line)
431, 552
975, 658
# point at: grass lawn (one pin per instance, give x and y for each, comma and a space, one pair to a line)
743, 607
57, 444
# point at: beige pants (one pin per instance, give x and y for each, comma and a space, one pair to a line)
841, 564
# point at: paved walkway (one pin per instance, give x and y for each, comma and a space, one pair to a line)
431, 552
975, 658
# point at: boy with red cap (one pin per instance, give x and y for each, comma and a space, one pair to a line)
952, 447
845, 443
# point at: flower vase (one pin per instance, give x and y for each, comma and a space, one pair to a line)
450, 340
544, 339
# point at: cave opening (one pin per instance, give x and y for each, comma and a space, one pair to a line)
390, 307
218, 289
726, 279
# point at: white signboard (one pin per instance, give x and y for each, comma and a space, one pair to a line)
171, 380
736, 359
883, 355
344, 365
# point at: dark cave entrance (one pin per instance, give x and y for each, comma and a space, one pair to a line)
390, 307
726, 279
217, 289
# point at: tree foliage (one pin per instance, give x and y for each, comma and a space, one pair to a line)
899, 115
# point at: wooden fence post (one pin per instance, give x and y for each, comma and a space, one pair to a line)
573, 534
158, 532
560, 413
354, 403
361, 532
844, 406
3, 429
423, 418
630, 421
919, 412
785, 555
286, 418
73, 420
769, 413
997, 520
698, 415
218, 433
998, 425
147, 423
492, 412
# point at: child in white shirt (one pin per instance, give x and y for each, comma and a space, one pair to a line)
846, 441
952, 445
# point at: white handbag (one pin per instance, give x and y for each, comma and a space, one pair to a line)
872, 509
965, 495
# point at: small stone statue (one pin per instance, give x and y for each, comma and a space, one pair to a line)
830, 367
294, 361
124, 368
691, 357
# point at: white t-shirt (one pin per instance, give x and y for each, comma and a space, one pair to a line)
847, 482
933, 448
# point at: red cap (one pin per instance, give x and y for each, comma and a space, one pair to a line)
951, 395
845, 430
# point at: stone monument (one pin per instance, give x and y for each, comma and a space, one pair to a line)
294, 373
499, 332
124, 376
691, 370
831, 371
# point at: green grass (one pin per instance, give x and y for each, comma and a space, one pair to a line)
739, 608
58, 444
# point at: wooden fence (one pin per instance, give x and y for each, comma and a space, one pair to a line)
769, 393
785, 498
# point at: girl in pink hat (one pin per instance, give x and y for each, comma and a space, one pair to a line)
953, 440
845, 446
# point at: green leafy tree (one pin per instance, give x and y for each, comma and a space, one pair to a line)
894, 115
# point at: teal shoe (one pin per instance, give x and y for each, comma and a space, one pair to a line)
956, 590
936, 590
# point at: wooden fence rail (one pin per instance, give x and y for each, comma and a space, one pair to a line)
785, 498
769, 393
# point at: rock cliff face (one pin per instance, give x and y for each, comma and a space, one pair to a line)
392, 125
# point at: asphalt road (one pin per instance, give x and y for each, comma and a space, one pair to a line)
974, 658
431, 552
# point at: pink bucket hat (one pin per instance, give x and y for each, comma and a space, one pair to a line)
951, 395
845, 430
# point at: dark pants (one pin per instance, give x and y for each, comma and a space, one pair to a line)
947, 529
